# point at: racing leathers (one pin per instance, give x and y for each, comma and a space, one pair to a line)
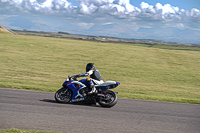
95, 79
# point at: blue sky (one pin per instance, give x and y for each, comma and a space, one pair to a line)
139, 19
184, 4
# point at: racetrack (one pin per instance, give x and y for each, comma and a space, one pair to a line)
37, 110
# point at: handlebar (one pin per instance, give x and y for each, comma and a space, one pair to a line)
74, 77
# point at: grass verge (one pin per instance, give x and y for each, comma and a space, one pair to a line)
149, 73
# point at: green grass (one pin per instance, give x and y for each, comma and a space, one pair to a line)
149, 73
13, 130
171, 47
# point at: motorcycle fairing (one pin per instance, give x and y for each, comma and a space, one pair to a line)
75, 91
107, 85
83, 83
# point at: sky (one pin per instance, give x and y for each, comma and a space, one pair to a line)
166, 20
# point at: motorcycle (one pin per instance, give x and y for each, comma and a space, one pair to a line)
75, 91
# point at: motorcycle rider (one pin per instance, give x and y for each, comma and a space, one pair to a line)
95, 77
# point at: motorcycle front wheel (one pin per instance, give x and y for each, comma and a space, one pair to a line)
63, 95
109, 100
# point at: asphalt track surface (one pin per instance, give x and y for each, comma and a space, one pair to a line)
34, 110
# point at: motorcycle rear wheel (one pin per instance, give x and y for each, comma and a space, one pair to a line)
63, 96
109, 100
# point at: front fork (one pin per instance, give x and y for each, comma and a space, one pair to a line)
66, 90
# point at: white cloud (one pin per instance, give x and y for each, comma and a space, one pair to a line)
144, 5
129, 8
195, 12
46, 4
167, 8
98, 7
90, 12
180, 26
85, 25
124, 2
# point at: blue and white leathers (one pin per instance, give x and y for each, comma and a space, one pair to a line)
95, 76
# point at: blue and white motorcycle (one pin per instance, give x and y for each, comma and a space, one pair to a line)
75, 91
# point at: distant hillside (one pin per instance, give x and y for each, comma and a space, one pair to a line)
149, 42
3, 29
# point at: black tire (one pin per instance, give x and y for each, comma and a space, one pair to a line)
109, 100
63, 96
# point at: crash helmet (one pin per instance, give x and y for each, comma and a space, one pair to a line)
90, 66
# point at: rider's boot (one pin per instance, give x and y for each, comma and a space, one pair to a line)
94, 90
